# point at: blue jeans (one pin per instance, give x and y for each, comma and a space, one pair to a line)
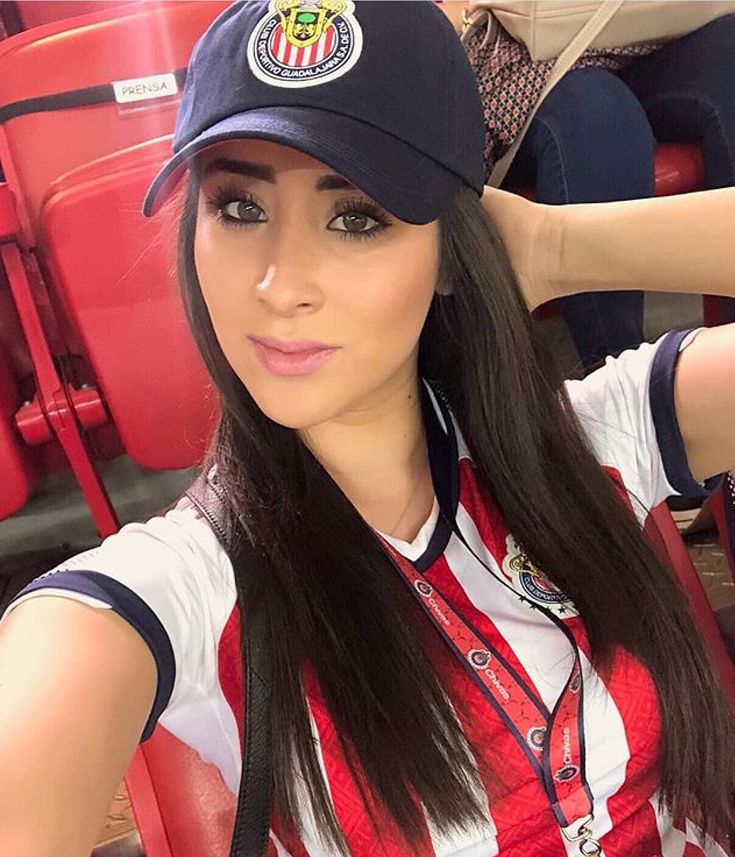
593, 140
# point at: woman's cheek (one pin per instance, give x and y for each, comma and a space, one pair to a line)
389, 330
223, 279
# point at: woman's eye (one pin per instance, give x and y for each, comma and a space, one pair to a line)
355, 223
244, 211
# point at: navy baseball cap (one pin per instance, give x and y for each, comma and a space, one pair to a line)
379, 90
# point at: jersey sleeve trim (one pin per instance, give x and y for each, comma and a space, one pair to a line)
135, 611
668, 433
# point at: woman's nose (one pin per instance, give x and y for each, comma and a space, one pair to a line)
289, 282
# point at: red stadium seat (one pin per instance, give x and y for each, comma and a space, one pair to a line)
114, 276
37, 147
662, 531
34, 13
20, 467
43, 143
59, 409
20, 473
181, 805
678, 169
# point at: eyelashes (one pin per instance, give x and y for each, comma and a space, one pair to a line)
361, 208
220, 198
354, 208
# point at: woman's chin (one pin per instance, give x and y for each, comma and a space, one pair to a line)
295, 409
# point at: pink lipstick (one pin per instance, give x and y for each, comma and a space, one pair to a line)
293, 357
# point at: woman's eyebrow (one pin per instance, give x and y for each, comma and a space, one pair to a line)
260, 172
241, 168
334, 182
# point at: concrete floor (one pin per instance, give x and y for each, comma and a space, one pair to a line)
56, 523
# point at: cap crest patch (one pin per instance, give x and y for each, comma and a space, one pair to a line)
302, 43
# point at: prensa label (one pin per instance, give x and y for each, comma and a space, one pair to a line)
145, 88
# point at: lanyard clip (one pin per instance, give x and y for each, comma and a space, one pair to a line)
579, 831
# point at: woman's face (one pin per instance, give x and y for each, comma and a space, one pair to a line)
317, 295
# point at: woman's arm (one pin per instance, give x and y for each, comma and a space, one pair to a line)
76, 686
704, 396
675, 244
682, 243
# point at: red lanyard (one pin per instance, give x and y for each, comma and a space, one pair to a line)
552, 741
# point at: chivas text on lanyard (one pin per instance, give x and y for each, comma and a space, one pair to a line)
553, 741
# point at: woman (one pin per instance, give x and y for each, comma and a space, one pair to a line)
594, 137
473, 650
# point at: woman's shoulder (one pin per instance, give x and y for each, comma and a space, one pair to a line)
172, 581
627, 411
179, 536
636, 380
168, 563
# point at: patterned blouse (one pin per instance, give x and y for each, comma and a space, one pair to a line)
510, 82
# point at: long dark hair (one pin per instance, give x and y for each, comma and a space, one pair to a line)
335, 603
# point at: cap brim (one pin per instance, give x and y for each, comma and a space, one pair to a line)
405, 182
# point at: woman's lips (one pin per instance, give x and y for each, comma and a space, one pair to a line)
297, 357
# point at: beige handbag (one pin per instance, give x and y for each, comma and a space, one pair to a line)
546, 27
565, 30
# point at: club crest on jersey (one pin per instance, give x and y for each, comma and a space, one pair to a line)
302, 43
531, 583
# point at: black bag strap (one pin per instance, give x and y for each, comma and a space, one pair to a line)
255, 797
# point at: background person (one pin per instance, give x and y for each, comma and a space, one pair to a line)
594, 137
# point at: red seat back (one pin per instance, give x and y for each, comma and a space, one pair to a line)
117, 299
661, 529
38, 147
34, 13
181, 805
679, 168
114, 271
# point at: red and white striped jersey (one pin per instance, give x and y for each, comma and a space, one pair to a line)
171, 580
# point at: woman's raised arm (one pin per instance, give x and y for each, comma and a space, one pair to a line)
683, 243
680, 243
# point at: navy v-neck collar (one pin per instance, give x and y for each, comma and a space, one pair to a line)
443, 447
